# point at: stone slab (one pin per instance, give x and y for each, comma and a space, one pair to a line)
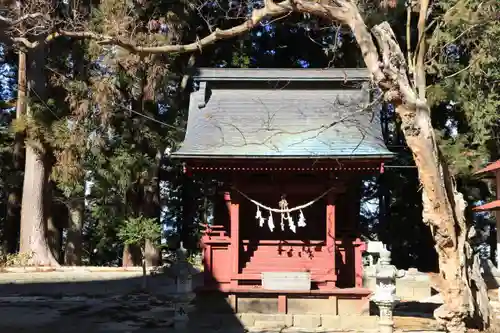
307, 321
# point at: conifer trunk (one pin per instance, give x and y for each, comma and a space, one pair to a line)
33, 238
76, 207
73, 250
132, 256
54, 217
152, 254
152, 209
14, 197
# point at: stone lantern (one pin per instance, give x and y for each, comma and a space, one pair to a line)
183, 275
385, 291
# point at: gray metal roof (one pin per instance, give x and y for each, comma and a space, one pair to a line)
281, 123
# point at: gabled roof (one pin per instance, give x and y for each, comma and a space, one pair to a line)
232, 120
494, 205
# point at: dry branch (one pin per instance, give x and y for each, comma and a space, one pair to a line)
21, 19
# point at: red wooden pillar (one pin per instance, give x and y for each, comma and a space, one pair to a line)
359, 248
330, 235
207, 256
234, 214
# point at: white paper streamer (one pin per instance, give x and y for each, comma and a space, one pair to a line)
291, 224
270, 222
259, 217
302, 219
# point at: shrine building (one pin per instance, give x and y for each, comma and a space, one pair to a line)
493, 171
289, 149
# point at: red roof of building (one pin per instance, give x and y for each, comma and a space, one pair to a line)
490, 167
494, 205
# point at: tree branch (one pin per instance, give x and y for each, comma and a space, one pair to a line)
11, 22
420, 72
270, 9
395, 67
346, 12
342, 11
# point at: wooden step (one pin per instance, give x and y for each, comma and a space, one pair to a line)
316, 277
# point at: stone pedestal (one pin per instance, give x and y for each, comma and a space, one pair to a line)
184, 284
386, 323
183, 307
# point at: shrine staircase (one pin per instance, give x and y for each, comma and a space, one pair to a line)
291, 258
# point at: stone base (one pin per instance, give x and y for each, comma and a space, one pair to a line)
333, 302
310, 322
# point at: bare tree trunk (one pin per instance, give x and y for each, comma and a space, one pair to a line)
439, 215
73, 251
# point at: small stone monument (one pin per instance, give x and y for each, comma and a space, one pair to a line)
385, 291
182, 273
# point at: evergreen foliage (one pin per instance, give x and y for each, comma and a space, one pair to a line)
137, 230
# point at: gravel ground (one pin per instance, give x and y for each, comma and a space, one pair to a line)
85, 302
128, 313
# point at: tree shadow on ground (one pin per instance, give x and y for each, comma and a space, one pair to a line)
105, 305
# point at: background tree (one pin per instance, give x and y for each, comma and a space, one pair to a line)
140, 231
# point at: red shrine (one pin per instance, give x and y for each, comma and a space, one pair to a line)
289, 148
